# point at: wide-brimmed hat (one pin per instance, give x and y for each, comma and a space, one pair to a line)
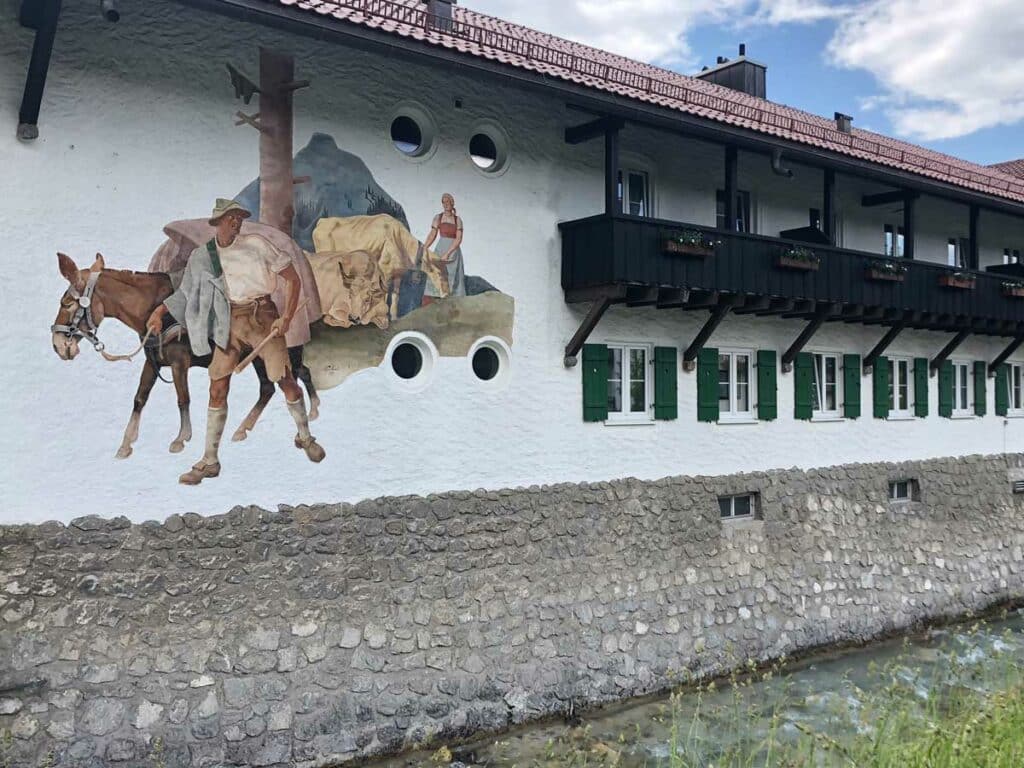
225, 206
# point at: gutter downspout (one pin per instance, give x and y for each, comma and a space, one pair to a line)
777, 168
39, 65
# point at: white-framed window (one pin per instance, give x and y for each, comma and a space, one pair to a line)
826, 390
963, 383
736, 384
635, 192
630, 383
895, 241
742, 212
1016, 389
736, 507
957, 251
901, 387
903, 490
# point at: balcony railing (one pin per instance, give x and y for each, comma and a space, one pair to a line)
609, 251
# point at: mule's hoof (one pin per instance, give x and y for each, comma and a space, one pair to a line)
124, 453
314, 452
239, 436
177, 446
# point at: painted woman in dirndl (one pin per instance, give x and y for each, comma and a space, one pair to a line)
446, 230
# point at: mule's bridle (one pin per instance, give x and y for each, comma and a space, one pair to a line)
84, 312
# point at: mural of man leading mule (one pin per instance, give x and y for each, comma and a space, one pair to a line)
225, 297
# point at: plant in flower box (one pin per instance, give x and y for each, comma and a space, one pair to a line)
1014, 289
798, 257
689, 242
891, 271
962, 280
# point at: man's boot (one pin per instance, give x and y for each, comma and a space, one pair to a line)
304, 440
209, 465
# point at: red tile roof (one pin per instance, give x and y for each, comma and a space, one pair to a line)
491, 38
1012, 167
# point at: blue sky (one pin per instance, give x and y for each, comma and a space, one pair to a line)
945, 74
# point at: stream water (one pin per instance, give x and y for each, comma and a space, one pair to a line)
823, 693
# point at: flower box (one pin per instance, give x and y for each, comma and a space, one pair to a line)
957, 280
891, 273
1013, 290
701, 251
689, 242
799, 258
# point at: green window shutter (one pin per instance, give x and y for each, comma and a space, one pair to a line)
880, 387
595, 382
980, 384
707, 385
1003, 390
851, 386
767, 386
803, 381
921, 387
945, 388
666, 398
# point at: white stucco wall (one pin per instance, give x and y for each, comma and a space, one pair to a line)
137, 130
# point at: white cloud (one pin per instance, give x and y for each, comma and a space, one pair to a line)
776, 12
946, 69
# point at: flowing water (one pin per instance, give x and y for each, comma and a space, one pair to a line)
831, 693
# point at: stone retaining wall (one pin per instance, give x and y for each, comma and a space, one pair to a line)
310, 635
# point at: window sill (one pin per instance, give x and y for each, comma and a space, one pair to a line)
963, 415
1015, 415
737, 420
900, 417
827, 418
642, 422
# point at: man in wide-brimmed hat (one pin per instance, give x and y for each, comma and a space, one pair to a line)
225, 297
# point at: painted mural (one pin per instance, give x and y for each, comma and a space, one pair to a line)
307, 275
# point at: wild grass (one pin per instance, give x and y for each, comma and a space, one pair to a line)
956, 706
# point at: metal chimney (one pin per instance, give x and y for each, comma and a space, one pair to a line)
844, 123
740, 74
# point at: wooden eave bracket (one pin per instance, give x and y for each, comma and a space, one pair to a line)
821, 313
1005, 354
882, 345
601, 301
947, 350
718, 313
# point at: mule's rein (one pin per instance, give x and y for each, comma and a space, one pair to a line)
91, 333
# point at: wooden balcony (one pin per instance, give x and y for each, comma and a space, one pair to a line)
623, 259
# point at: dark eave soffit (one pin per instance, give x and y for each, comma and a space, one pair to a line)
584, 99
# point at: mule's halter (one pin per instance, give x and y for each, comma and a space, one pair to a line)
83, 312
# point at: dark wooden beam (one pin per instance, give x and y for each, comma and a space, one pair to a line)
731, 186
869, 316
578, 134
974, 258
947, 350
881, 346
593, 316
1005, 354
672, 298
887, 198
701, 300
909, 227
820, 313
801, 308
777, 307
611, 172
46, 18
714, 320
828, 206
753, 305
641, 295
592, 293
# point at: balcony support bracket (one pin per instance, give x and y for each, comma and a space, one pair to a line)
821, 314
597, 309
947, 350
718, 314
881, 346
1005, 354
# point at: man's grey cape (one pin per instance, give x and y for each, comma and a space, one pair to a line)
201, 303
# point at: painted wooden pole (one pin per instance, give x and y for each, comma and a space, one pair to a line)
276, 124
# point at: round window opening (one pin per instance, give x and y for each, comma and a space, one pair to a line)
484, 152
486, 363
407, 135
407, 361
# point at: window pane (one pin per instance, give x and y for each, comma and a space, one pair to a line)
638, 193
615, 380
904, 389
892, 386
951, 253
741, 506
637, 380
724, 404
742, 383
725, 507
816, 389
888, 241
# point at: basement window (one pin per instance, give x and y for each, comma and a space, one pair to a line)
742, 506
904, 491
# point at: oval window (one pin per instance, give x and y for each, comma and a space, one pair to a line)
407, 135
486, 363
407, 361
483, 151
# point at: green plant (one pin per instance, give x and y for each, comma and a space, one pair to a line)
1013, 285
889, 267
799, 253
694, 238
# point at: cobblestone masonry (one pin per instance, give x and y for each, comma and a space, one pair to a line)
314, 634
